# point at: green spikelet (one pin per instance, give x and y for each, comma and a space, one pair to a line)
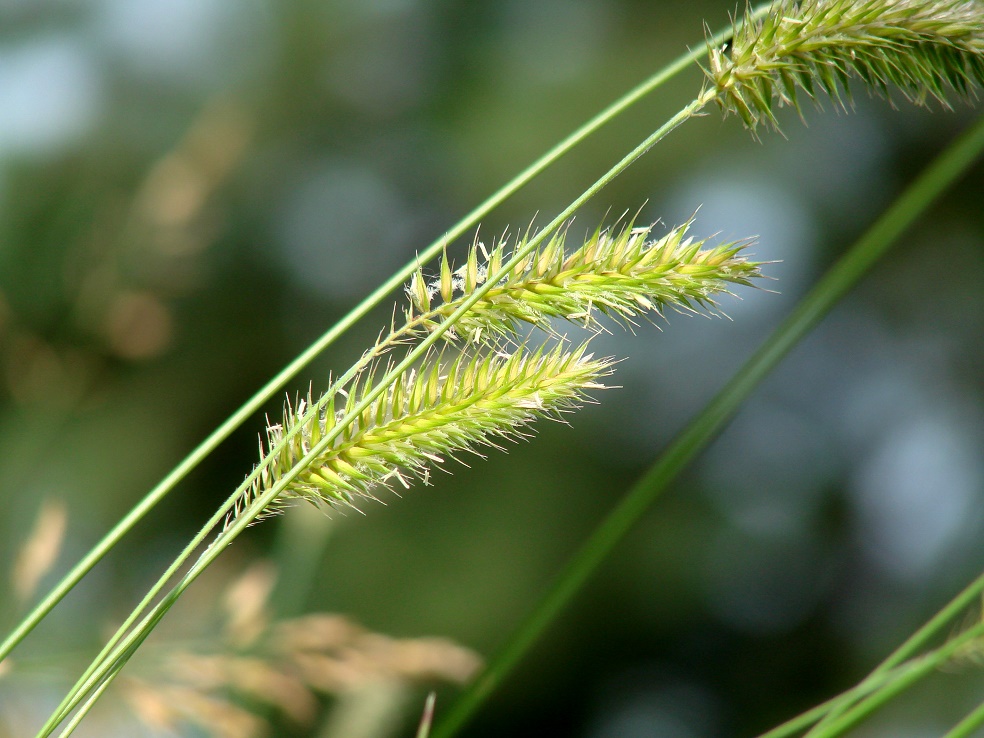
471, 401
926, 49
622, 275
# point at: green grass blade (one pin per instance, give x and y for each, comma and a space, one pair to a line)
913, 643
966, 727
836, 706
923, 667
944, 170
882, 680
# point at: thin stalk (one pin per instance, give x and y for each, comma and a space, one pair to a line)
72, 724
804, 719
953, 162
837, 705
251, 406
925, 666
966, 727
914, 642
801, 721
101, 668
848, 697
115, 666
932, 627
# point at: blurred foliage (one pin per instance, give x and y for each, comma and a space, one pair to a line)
191, 191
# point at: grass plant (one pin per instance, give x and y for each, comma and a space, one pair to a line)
462, 372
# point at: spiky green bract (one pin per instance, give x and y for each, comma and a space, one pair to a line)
924, 48
621, 274
469, 402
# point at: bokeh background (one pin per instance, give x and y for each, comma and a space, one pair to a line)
192, 191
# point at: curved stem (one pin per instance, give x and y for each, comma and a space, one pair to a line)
953, 162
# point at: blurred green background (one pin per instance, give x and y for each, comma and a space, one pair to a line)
192, 191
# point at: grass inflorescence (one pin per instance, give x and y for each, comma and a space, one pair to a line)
926, 49
445, 407
382, 423
618, 274
494, 385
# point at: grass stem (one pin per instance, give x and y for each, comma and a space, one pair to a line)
924, 666
966, 727
913, 643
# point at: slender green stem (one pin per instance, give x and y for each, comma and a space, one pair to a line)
101, 668
195, 457
805, 719
801, 721
119, 640
913, 643
72, 724
932, 627
113, 669
924, 666
966, 727
849, 697
954, 161
836, 706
